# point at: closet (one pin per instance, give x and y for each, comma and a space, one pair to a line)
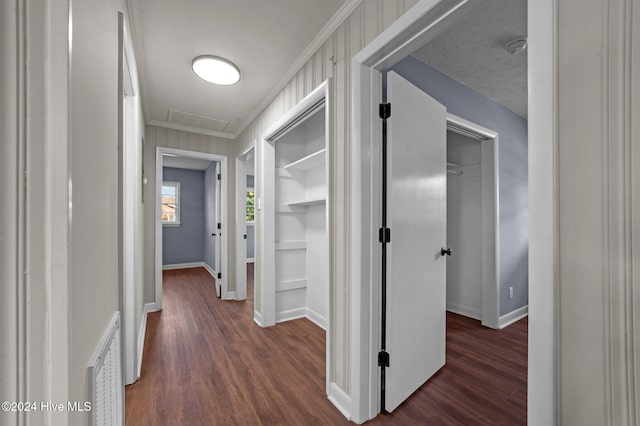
464, 225
296, 205
301, 243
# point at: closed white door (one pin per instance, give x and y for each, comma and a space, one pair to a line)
416, 268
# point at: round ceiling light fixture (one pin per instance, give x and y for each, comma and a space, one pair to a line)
516, 46
215, 70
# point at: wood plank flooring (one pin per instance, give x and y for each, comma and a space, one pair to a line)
206, 363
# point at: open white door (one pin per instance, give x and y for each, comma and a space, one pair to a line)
416, 216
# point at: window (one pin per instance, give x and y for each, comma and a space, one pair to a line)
250, 209
170, 203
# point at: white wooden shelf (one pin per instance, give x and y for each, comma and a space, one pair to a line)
295, 209
309, 162
310, 202
291, 245
291, 285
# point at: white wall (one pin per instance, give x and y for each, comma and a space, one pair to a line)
94, 172
464, 227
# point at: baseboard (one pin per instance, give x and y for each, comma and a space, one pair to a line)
209, 269
316, 318
251, 260
257, 318
182, 265
291, 314
464, 311
231, 295
341, 400
148, 307
513, 316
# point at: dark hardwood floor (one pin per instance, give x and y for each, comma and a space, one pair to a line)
206, 363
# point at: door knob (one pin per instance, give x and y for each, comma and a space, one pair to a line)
447, 251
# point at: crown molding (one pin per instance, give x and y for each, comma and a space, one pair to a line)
190, 129
336, 20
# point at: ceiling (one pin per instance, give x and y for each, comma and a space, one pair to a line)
263, 38
472, 52
179, 162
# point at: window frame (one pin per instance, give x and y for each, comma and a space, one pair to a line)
250, 189
176, 185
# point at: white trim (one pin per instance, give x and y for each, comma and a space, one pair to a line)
251, 260
291, 314
148, 307
466, 311
513, 316
223, 164
423, 22
340, 400
209, 269
129, 196
257, 318
542, 384
327, 31
316, 318
183, 266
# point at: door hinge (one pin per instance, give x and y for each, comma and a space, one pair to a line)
219, 176
385, 111
245, 236
219, 225
383, 359
219, 274
384, 235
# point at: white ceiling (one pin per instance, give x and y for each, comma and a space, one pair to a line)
263, 38
472, 52
185, 162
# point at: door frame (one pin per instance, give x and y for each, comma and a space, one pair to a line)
489, 148
423, 22
129, 201
241, 224
222, 159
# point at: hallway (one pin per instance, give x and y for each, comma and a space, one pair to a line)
207, 363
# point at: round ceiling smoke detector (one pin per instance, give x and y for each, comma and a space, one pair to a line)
517, 46
216, 70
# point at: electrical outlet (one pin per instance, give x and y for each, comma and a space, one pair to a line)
510, 292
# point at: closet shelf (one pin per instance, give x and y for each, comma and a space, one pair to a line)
310, 202
309, 162
291, 245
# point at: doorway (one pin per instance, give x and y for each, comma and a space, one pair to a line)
423, 23
293, 219
213, 237
473, 222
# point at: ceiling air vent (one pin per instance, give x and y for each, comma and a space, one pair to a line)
195, 120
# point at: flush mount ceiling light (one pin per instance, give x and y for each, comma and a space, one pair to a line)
516, 46
215, 70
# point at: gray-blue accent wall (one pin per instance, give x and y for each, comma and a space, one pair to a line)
184, 243
513, 174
